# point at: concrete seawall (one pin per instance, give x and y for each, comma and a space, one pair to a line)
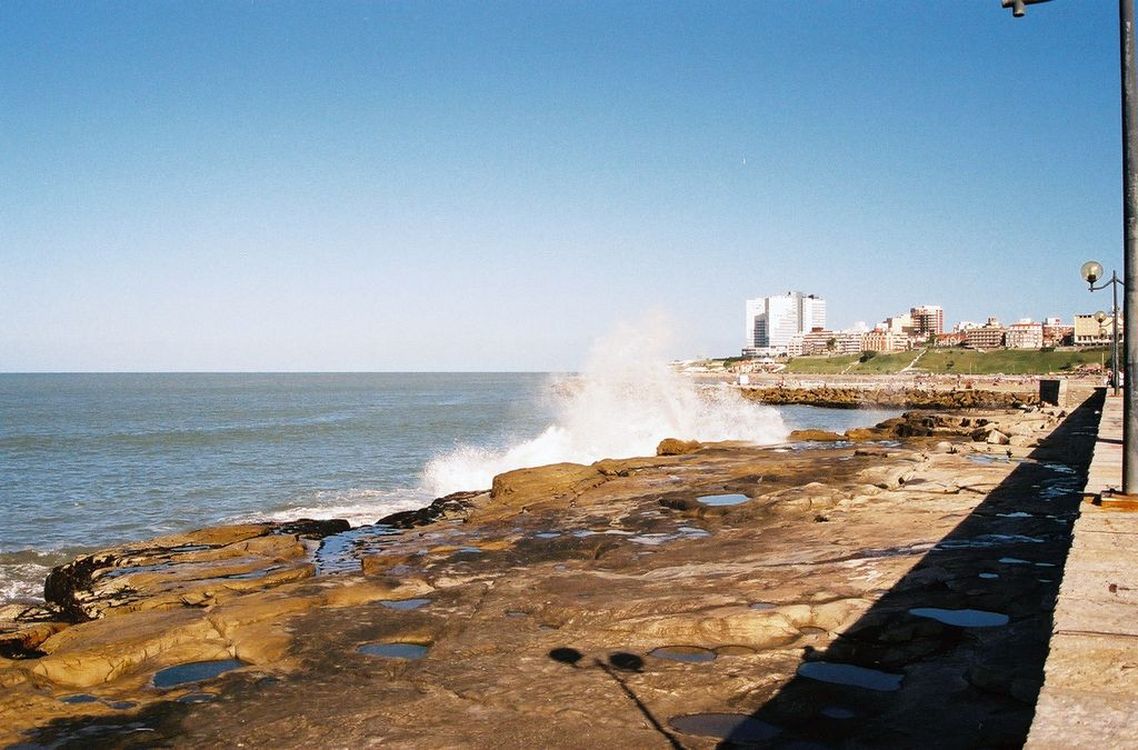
1090, 693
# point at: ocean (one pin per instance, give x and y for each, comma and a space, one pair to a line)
92, 460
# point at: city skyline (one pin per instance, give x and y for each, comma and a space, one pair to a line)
794, 324
493, 187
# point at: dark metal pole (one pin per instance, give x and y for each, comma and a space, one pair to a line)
1130, 241
1114, 282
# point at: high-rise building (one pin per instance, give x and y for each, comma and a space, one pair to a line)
772, 321
928, 320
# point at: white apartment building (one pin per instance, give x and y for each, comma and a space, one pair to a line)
1024, 334
772, 321
881, 339
820, 341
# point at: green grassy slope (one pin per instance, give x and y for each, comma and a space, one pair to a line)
954, 362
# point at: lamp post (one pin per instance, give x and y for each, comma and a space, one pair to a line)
1092, 272
1018, 6
1101, 319
1129, 86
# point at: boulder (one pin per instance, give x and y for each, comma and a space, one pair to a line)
454, 505
995, 437
677, 447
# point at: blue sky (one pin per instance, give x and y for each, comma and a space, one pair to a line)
493, 185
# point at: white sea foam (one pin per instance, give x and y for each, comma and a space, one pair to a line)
22, 573
22, 582
623, 404
358, 507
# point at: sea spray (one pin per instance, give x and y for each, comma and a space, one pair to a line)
626, 400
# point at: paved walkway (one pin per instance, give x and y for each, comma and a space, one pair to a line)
1090, 693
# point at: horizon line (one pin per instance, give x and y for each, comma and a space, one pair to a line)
284, 372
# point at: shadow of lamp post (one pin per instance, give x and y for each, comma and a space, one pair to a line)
617, 663
1129, 283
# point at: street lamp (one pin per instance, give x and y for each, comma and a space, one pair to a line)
1092, 272
1129, 86
1017, 6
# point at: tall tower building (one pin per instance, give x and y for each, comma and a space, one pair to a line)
772, 321
928, 320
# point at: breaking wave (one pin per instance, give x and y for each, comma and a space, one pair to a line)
626, 400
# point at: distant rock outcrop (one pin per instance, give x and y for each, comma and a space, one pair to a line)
902, 398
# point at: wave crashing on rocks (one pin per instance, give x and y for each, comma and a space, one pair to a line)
626, 400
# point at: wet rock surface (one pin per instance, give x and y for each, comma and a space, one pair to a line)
597, 606
185, 569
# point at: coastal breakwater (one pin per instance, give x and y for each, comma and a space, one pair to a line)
892, 588
890, 397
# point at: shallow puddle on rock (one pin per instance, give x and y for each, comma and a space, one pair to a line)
192, 698
79, 698
738, 728
121, 705
820, 445
850, 674
810, 630
660, 537
692, 654
652, 538
986, 458
395, 650
132, 569
342, 553
734, 651
406, 604
763, 605
721, 500
964, 618
547, 534
985, 541
989, 576
837, 712
195, 671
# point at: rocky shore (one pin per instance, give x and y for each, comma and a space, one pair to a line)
888, 587
891, 397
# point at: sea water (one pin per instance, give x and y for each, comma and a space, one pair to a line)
92, 460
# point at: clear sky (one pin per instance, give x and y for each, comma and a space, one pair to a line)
492, 185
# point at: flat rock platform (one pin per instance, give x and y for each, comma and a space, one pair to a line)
891, 587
